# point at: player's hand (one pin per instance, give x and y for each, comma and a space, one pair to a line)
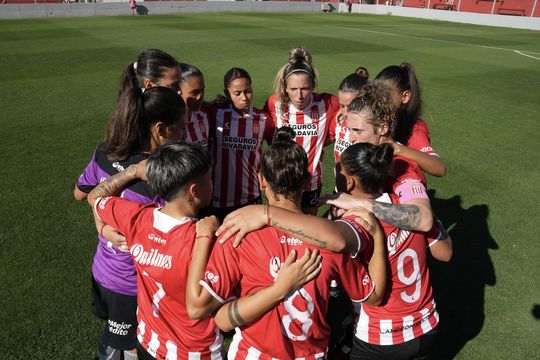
336, 213
241, 222
294, 274
206, 227
342, 201
114, 237
365, 219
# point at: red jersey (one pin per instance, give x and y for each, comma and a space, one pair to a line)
314, 126
420, 138
296, 327
238, 155
407, 181
199, 129
408, 308
161, 248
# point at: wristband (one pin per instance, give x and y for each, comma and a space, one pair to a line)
268, 220
101, 230
203, 236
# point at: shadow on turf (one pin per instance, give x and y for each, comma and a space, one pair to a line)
459, 285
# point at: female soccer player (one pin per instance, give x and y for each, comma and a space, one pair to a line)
240, 131
296, 326
348, 90
411, 134
153, 67
309, 114
401, 327
199, 130
140, 122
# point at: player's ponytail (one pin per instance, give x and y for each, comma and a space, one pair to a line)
129, 129
299, 61
369, 164
404, 78
151, 65
362, 71
285, 165
376, 105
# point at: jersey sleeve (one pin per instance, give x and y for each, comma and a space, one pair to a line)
269, 128
355, 279
270, 107
420, 138
119, 213
222, 272
88, 180
332, 113
409, 182
365, 242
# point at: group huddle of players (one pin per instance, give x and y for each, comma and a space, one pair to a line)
170, 158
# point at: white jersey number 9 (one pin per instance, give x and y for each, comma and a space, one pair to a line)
294, 313
413, 277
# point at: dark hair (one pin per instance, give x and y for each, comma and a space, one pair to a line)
135, 112
352, 83
371, 164
404, 78
187, 71
233, 74
362, 71
285, 165
300, 61
376, 99
173, 165
150, 64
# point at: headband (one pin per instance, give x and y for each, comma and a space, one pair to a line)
135, 65
300, 71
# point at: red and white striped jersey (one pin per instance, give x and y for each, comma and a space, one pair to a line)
314, 127
420, 138
161, 248
199, 129
408, 309
342, 138
296, 327
238, 155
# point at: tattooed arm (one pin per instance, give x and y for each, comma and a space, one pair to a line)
117, 182
292, 275
414, 215
323, 233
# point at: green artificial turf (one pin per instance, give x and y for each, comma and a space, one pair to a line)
59, 79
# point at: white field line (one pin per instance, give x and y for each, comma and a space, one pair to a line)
439, 40
521, 53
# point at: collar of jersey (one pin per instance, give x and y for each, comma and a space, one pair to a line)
165, 223
302, 111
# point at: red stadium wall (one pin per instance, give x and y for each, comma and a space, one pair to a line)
502, 7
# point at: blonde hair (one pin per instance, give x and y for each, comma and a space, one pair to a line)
299, 62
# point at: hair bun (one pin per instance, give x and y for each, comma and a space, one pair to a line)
382, 156
285, 134
299, 55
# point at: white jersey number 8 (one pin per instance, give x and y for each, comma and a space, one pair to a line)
412, 278
294, 314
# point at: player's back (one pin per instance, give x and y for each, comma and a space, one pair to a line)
295, 328
408, 308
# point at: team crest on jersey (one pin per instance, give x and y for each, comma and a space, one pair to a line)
275, 265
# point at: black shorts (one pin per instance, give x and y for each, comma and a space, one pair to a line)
120, 312
309, 198
142, 354
220, 213
416, 348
